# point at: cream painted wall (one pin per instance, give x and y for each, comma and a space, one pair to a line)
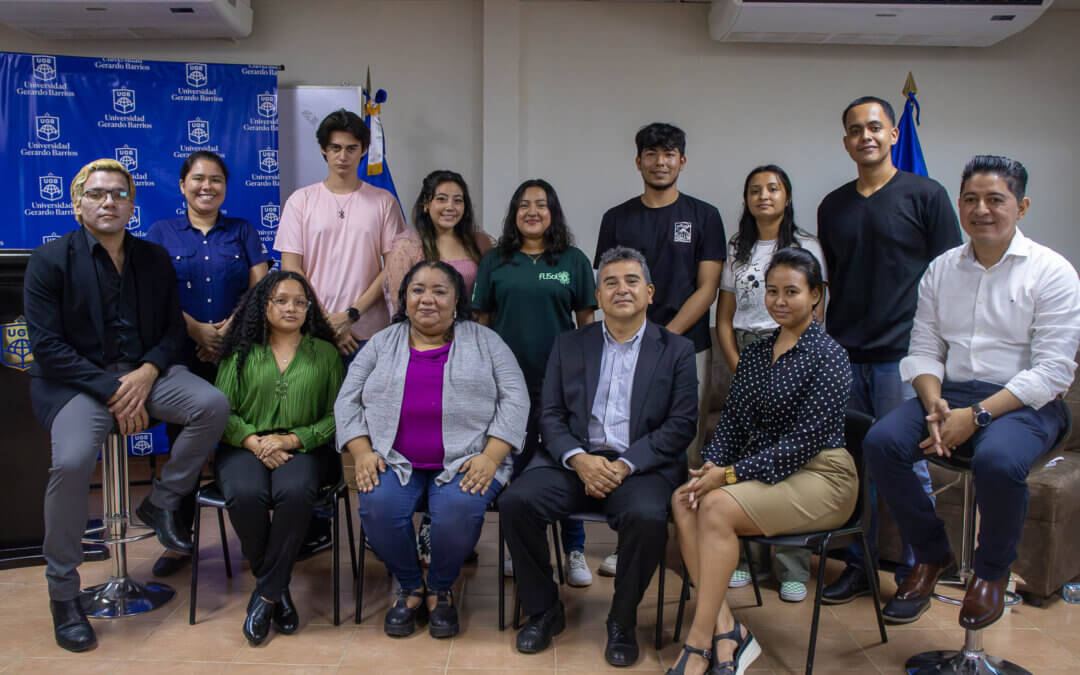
591, 73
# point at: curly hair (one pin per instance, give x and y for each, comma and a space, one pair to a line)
249, 326
462, 302
465, 230
557, 237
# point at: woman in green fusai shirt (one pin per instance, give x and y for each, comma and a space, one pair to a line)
281, 373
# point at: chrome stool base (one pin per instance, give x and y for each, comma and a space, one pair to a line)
121, 596
961, 663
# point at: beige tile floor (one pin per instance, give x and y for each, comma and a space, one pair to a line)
1044, 640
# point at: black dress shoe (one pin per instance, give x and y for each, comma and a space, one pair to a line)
537, 633
286, 620
257, 623
851, 584
167, 525
443, 620
401, 619
622, 649
73, 631
168, 565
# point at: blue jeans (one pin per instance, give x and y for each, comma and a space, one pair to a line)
876, 389
1002, 457
456, 518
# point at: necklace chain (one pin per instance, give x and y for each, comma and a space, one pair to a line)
341, 205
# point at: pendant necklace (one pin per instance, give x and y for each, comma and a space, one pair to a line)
341, 205
533, 257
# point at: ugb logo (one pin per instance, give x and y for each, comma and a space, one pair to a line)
44, 68
198, 131
270, 215
135, 220
129, 157
196, 74
123, 100
16, 350
50, 187
267, 105
47, 127
268, 162
141, 443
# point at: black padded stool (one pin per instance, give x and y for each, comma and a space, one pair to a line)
970, 659
121, 595
209, 496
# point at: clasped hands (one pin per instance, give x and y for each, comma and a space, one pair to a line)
271, 449
128, 402
702, 481
947, 428
599, 475
208, 339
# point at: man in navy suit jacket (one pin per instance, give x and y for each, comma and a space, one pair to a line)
619, 410
106, 332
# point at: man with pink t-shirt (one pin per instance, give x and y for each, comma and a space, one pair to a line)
337, 231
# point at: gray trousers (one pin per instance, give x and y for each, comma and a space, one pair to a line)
77, 434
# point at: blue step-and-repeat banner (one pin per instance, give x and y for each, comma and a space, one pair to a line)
58, 113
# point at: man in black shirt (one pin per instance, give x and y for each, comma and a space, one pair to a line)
106, 332
684, 245
879, 233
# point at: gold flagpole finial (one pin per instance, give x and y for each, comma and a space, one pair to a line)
909, 85
367, 84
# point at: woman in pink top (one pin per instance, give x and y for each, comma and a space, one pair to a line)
445, 230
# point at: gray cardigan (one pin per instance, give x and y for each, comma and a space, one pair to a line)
483, 395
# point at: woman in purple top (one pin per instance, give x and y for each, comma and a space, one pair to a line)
431, 410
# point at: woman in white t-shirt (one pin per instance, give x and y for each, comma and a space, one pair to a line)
766, 225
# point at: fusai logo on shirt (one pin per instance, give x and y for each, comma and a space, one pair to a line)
123, 100
196, 74
682, 232
562, 277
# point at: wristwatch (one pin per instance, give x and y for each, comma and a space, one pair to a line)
354, 314
729, 475
982, 416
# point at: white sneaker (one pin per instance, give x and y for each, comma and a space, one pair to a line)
607, 568
577, 570
508, 566
739, 578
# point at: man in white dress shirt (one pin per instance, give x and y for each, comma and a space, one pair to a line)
991, 353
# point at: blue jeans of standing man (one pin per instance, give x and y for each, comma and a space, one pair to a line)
876, 389
456, 518
1002, 455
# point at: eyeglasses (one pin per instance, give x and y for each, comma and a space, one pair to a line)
98, 195
300, 303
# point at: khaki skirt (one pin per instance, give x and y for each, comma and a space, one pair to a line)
819, 496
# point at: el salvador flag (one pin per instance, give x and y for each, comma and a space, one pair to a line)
374, 168
907, 154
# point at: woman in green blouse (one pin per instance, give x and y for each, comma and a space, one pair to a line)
281, 372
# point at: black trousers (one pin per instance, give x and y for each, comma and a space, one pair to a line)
637, 510
252, 491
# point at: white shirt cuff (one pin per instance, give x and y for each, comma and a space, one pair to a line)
913, 366
570, 453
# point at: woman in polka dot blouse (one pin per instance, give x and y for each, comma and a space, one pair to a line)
776, 463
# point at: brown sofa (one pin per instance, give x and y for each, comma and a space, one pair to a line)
1049, 553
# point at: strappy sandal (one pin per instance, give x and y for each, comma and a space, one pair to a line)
680, 667
747, 650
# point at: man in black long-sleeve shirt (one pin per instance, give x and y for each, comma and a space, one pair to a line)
879, 233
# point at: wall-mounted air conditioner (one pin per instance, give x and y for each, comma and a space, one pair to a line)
129, 19
916, 23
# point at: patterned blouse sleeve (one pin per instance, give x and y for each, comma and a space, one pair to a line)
405, 252
815, 425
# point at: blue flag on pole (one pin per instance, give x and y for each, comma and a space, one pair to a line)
907, 153
374, 168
